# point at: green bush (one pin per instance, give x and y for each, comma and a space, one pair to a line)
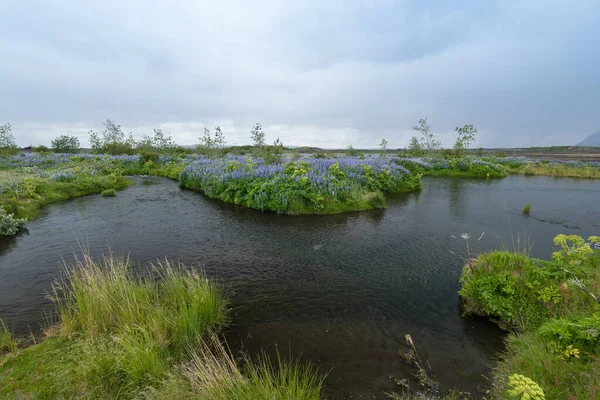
555, 305
9, 225
108, 193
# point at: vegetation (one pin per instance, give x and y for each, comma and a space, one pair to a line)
65, 144
428, 141
112, 140
314, 186
145, 335
108, 193
527, 208
553, 306
7, 141
9, 225
8, 343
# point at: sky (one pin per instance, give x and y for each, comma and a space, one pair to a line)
325, 73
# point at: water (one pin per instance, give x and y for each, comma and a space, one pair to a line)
342, 290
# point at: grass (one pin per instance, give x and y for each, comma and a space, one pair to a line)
552, 310
129, 332
24, 198
108, 193
8, 343
555, 171
527, 208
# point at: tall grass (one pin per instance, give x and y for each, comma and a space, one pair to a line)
126, 332
173, 305
213, 374
8, 343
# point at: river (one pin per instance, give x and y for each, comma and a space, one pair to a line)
341, 290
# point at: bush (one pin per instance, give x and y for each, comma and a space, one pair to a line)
108, 193
9, 225
40, 149
554, 304
65, 144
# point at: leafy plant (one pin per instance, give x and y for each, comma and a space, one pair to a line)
524, 388
65, 144
9, 225
527, 208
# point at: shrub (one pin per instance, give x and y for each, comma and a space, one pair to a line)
108, 193
40, 149
65, 144
9, 225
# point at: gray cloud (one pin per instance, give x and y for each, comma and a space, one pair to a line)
314, 73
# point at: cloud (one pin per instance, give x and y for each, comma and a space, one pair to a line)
313, 73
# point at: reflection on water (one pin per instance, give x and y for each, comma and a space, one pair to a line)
343, 289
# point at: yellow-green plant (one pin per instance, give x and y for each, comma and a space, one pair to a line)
524, 388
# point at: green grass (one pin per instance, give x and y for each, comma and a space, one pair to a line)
33, 193
126, 333
527, 208
549, 307
212, 373
528, 354
108, 193
8, 343
555, 171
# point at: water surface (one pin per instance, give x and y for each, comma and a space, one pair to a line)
342, 290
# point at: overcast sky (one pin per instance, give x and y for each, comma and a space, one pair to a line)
313, 72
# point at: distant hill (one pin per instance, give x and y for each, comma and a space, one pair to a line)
592, 140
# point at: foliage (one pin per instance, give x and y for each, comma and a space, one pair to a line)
143, 333
65, 144
317, 185
414, 148
466, 167
40, 149
108, 193
7, 139
383, 146
112, 140
211, 146
258, 136
350, 151
428, 141
554, 303
8, 343
527, 208
466, 135
523, 388
9, 225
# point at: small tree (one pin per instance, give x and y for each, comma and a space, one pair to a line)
466, 135
7, 140
351, 151
383, 146
112, 140
65, 144
414, 148
258, 136
428, 141
209, 145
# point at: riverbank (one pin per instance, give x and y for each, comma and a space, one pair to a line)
552, 308
150, 335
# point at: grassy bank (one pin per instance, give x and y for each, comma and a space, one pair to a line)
553, 311
149, 334
557, 171
458, 167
